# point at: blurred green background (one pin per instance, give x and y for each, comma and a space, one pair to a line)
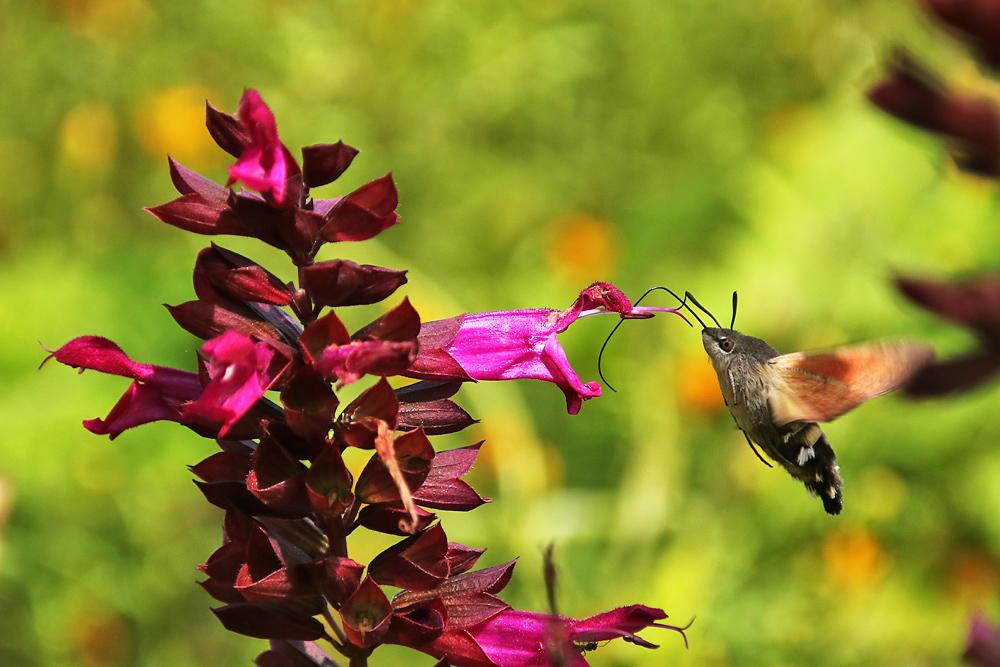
706, 145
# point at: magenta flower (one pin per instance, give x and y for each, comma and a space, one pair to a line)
240, 371
515, 638
158, 392
518, 344
265, 165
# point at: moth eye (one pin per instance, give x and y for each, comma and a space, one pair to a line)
726, 344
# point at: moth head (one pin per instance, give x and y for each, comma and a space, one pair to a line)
721, 343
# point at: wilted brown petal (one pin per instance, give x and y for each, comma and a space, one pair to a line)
386, 447
413, 456
387, 517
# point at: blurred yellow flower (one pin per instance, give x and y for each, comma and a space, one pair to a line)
88, 138
173, 122
854, 559
101, 19
583, 248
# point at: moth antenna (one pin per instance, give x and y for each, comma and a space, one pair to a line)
684, 304
688, 295
732, 325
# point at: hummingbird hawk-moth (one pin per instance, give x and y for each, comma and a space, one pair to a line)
777, 399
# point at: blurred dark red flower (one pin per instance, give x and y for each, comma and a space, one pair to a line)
975, 21
974, 304
972, 124
982, 647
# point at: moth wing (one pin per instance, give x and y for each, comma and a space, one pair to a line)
822, 386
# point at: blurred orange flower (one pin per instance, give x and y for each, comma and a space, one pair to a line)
698, 386
583, 248
854, 558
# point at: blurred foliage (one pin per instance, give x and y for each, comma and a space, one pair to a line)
701, 144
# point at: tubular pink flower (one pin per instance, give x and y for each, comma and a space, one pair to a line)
515, 638
158, 393
265, 163
519, 344
240, 371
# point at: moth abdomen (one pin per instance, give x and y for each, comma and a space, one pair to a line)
813, 461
